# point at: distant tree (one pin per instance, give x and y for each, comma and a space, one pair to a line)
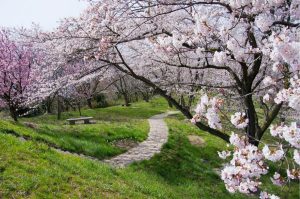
123, 87
88, 89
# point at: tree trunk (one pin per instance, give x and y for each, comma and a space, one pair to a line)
58, 108
13, 113
146, 96
67, 107
190, 101
48, 105
252, 128
89, 103
79, 109
170, 104
127, 100
182, 101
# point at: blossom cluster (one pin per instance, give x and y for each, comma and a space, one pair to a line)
208, 109
290, 134
249, 163
290, 95
246, 167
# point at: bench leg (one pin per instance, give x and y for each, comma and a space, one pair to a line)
87, 121
72, 122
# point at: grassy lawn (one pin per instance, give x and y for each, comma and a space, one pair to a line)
32, 169
189, 169
192, 168
112, 124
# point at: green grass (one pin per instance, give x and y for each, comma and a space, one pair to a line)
112, 124
94, 140
189, 169
32, 169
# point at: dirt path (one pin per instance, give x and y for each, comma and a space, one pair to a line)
157, 137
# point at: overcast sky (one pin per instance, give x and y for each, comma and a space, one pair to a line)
46, 13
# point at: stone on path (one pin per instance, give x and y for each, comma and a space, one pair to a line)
157, 137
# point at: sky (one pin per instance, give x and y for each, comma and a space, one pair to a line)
46, 13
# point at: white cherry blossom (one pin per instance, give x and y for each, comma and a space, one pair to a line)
266, 98
293, 174
239, 120
269, 81
273, 154
292, 135
224, 154
208, 109
297, 156
265, 195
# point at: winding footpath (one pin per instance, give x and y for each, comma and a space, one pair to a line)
157, 137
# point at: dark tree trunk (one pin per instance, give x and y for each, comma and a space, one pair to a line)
251, 128
89, 103
48, 105
127, 100
67, 107
190, 101
170, 104
182, 101
58, 108
146, 96
79, 109
13, 113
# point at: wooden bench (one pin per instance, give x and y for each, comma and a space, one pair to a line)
86, 120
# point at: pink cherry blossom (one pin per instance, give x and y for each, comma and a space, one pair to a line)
277, 179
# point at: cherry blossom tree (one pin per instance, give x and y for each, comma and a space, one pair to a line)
16, 74
143, 90
60, 71
129, 88
212, 37
245, 49
89, 89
